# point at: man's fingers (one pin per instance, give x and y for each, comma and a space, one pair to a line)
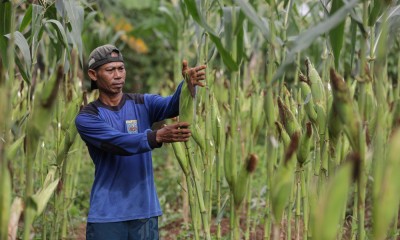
201, 67
184, 66
183, 125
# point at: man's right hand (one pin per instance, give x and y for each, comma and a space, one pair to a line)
177, 132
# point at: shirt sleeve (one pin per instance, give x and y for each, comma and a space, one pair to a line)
161, 108
95, 131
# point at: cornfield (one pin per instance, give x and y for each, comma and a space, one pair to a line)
295, 134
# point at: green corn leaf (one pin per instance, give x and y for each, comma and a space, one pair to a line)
36, 29
306, 38
229, 15
5, 20
11, 150
336, 35
240, 45
23, 46
353, 33
40, 199
226, 56
192, 8
261, 23
60, 31
75, 15
375, 12
27, 19
22, 70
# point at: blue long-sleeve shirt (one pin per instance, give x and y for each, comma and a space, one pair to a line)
119, 140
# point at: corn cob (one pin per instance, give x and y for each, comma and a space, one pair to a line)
283, 134
387, 193
334, 125
181, 156
186, 108
256, 111
198, 137
308, 101
344, 107
70, 113
215, 121
305, 144
317, 87
282, 181
331, 204
242, 182
287, 117
321, 118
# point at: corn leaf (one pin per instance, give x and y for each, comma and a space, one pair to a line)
60, 31
226, 56
375, 11
336, 35
36, 31
353, 32
23, 46
22, 70
27, 19
306, 38
42, 196
5, 20
261, 23
75, 15
11, 150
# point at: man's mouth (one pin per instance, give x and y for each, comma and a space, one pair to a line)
118, 85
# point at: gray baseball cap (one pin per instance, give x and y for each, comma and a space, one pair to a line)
102, 55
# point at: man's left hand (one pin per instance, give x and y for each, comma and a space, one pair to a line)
193, 76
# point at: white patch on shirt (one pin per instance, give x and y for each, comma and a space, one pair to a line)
131, 126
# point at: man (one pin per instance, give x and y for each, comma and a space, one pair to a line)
117, 131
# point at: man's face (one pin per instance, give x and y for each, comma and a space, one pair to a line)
110, 77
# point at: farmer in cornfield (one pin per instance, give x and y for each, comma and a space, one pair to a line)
117, 130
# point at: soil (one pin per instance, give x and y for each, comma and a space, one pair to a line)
177, 229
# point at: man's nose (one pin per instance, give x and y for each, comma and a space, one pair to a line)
117, 73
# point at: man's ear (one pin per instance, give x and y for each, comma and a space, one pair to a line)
92, 74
